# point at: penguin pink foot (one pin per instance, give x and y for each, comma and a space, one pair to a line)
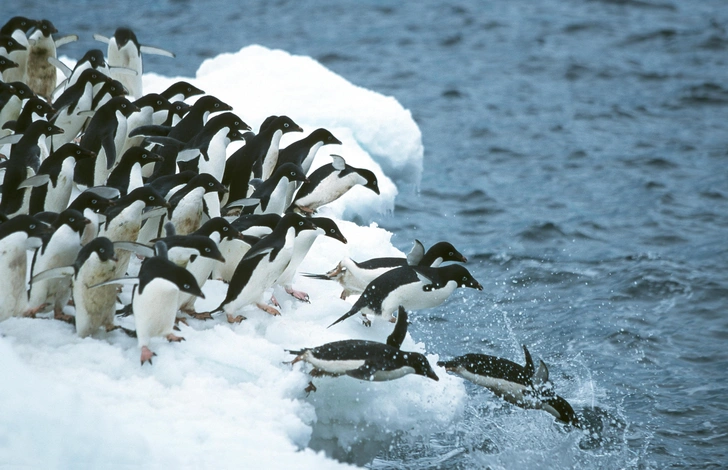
274, 301
200, 315
172, 338
147, 355
59, 315
237, 319
268, 309
302, 296
32, 312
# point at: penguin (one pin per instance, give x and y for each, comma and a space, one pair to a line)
92, 206
41, 74
302, 152
253, 227
17, 235
182, 248
25, 158
9, 47
92, 59
59, 248
111, 89
527, 387
261, 266
17, 27
166, 186
95, 264
355, 276
301, 247
148, 105
180, 91
413, 287
33, 110
72, 104
125, 52
189, 202
59, 166
366, 360
124, 220
127, 176
105, 135
330, 182
177, 110
271, 194
217, 229
14, 101
5, 64
155, 298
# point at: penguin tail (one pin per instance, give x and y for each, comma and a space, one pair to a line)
348, 314
324, 277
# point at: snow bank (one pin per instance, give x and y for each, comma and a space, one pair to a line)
226, 397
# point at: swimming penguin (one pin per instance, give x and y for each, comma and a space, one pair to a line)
55, 195
127, 176
41, 74
17, 236
180, 91
155, 298
329, 182
271, 194
17, 27
527, 387
105, 135
355, 276
301, 247
366, 360
125, 55
261, 266
253, 227
413, 287
73, 103
59, 248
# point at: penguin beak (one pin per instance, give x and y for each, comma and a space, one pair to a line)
463, 259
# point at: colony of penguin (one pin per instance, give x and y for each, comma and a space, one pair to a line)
96, 173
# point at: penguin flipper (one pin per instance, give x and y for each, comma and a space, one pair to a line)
105, 191
11, 139
138, 248
416, 253
65, 40
122, 281
101, 38
150, 130
110, 149
400, 329
53, 273
154, 212
35, 181
65, 69
156, 51
339, 163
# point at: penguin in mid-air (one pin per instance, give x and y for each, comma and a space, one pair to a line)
17, 236
355, 276
156, 297
366, 360
413, 287
527, 387
329, 182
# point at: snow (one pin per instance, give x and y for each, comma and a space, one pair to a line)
226, 396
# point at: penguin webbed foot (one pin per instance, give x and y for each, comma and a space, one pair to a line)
200, 315
125, 311
365, 321
178, 320
147, 355
310, 388
303, 210
302, 296
274, 301
268, 309
59, 315
173, 338
236, 319
32, 312
130, 333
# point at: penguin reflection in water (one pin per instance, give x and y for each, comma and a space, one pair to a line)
366, 360
528, 387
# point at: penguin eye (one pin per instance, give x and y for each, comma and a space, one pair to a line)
151, 198
186, 286
159, 102
450, 254
93, 201
209, 184
465, 279
300, 223
285, 125
224, 229
71, 219
217, 105
31, 226
102, 250
207, 250
123, 105
332, 230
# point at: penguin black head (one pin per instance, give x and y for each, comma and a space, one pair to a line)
219, 225
149, 196
43, 127
140, 155
285, 124
562, 410
73, 150
420, 364
22, 90
23, 223
123, 35
446, 251
40, 107
10, 44
73, 218
371, 179
92, 201
459, 274
181, 88
208, 182
18, 23
6, 64
180, 108
112, 88
102, 246
46, 27
325, 136
153, 100
230, 120
211, 104
297, 222
204, 245
92, 76
291, 171
123, 105
95, 57
160, 267
329, 227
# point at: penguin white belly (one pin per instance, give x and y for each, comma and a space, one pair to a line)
385, 375
301, 247
412, 297
187, 216
13, 269
201, 268
61, 250
510, 391
215, 164
329, 189
57, 196
333, 367
94, 307
277, 200
271, 157
70, 121
124, 227
129, 58
137, 119
155, 310
233, 251
91, 230
355, 279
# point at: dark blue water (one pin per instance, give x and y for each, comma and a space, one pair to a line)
577, 153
